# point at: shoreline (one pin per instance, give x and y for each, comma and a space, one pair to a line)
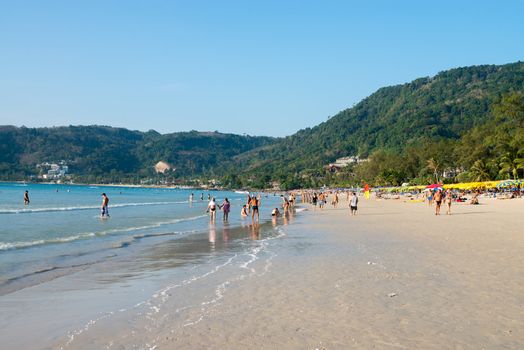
393, 276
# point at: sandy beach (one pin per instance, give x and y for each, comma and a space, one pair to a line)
393, 277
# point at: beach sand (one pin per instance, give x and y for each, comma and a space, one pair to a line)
393, 277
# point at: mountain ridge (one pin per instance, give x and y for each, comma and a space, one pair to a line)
430, 109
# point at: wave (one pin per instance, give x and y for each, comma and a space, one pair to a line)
85, 207
86, 235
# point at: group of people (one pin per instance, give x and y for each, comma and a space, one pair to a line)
213, 206
438, 196
250, 208
321, 199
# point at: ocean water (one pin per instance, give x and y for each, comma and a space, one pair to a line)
61, 228
154, 243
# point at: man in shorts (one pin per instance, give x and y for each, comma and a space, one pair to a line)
254, 202
353, 203
438, 201
104, 210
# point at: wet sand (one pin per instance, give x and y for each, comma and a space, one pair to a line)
393, 277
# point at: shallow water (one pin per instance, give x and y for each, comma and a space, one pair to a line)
61, 228
63, 270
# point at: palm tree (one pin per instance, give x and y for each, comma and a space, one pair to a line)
479, 171
511, 164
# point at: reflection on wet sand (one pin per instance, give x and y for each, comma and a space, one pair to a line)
220, 237
212, 233
225, 232
285, 219
255, 230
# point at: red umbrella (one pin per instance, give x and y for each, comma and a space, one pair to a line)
434, 186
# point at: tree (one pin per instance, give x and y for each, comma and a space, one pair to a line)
479, 171
434, 167
511, 164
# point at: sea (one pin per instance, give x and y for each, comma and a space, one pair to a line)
64, 269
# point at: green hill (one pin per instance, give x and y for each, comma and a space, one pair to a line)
452, 122
393, 118
100, 153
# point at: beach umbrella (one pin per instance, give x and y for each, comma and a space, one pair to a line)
506, 183
434, 186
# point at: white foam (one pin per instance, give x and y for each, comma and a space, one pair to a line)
85, 235
81, 207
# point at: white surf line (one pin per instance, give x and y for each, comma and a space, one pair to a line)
88, 325
164, 294
221, 288
82, 207
85, 235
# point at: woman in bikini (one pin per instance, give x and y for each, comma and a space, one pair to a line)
212, 209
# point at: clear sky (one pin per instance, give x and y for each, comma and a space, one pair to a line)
256, 67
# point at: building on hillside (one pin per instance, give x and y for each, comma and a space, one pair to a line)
451, 173
161, 167
52, 171
344, 162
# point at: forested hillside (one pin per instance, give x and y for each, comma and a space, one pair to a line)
393, 119
99, 153
465, 121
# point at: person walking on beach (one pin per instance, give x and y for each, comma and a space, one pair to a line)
448, 200
335, 200
212, 209
104, 210
429, 197
438, 201
26, 198
226, 206
353, 203
321, 200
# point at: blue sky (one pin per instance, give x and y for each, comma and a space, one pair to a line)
255, 67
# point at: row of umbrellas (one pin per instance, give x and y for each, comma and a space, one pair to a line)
461, 186
509, 183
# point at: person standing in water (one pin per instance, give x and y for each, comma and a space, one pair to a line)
254, 202
191, 198
26, 198
226, 206
104, 210
248, 203
212, 209
202, 196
